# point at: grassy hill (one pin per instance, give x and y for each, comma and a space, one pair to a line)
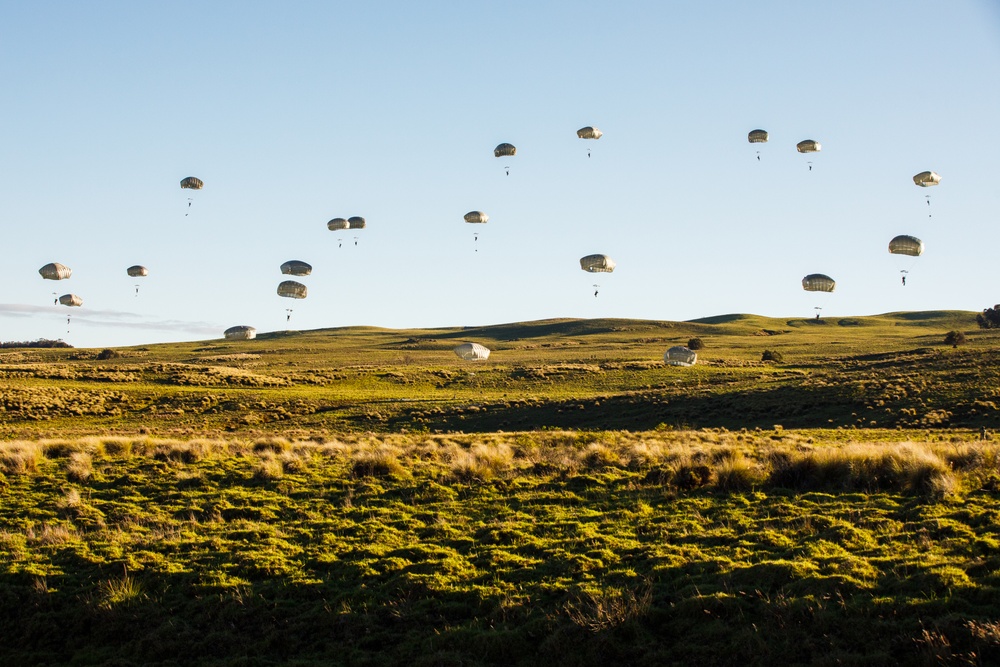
890, 370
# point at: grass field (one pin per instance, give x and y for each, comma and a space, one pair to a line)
362, 496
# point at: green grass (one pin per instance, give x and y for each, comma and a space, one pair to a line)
574, 548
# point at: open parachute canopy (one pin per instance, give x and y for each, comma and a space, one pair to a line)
906, 245
680, 356
356, 222
589, 132
477, 217
55, 271
757, 137
597, 264
192, 183
926, 179
295, 267
472, 352
504, 150
70, 300
817, 282
241, 332
292, 289
137, 271
808, 146
338, 223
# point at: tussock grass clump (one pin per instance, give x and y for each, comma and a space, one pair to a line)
20, 458
119, 592
58, 449
609, 608
273, 444
598, 456
269, 469
483, 462
737, 473
52, 534
189, 451
380, 461
79, 467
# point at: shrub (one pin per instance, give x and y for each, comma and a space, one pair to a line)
106, 354
989, 318
772, 355
695, 344
954, 338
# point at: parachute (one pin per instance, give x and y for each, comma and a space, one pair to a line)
505, 150
137, 271
589, 133
476, 217
338, 224
817, 282
70, 300
680, 356
926, 179
294, 267
292, 289
757, 137
55, 271
597, 264
241, 332
472, 352
906, 245
192, 183
356, 222
808, 146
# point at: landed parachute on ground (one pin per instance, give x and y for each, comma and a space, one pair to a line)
137, 271
337, 224
757, 137
292, 289
55, 271
597, 264
472, 352
680, 356
70, 300
906, 245
589, 132
926, 179
295, 267
817, 282
241, 332
808, 146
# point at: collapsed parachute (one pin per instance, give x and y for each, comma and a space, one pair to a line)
472, 352
817, 282
55, 271
294, 267
597, 264
241, 332
680, 356
292, 290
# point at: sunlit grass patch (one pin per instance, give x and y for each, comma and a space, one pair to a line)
20, 458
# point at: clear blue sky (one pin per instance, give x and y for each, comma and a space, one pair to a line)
295, 113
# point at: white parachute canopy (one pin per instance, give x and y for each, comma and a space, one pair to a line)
472, 352
241, 332
680, 356
926, 179
597, 264
55, 271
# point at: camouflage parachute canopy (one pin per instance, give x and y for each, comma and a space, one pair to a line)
472, 352
808, 146
817, 282
192, 183
292, 289
241, 332
926, 179
476, 217
137, 271
589, 133
55, 271
757, 137
597, 264
906, 245
337, 224
504, 150
680, 356
356, 222
295, 267
70, 300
